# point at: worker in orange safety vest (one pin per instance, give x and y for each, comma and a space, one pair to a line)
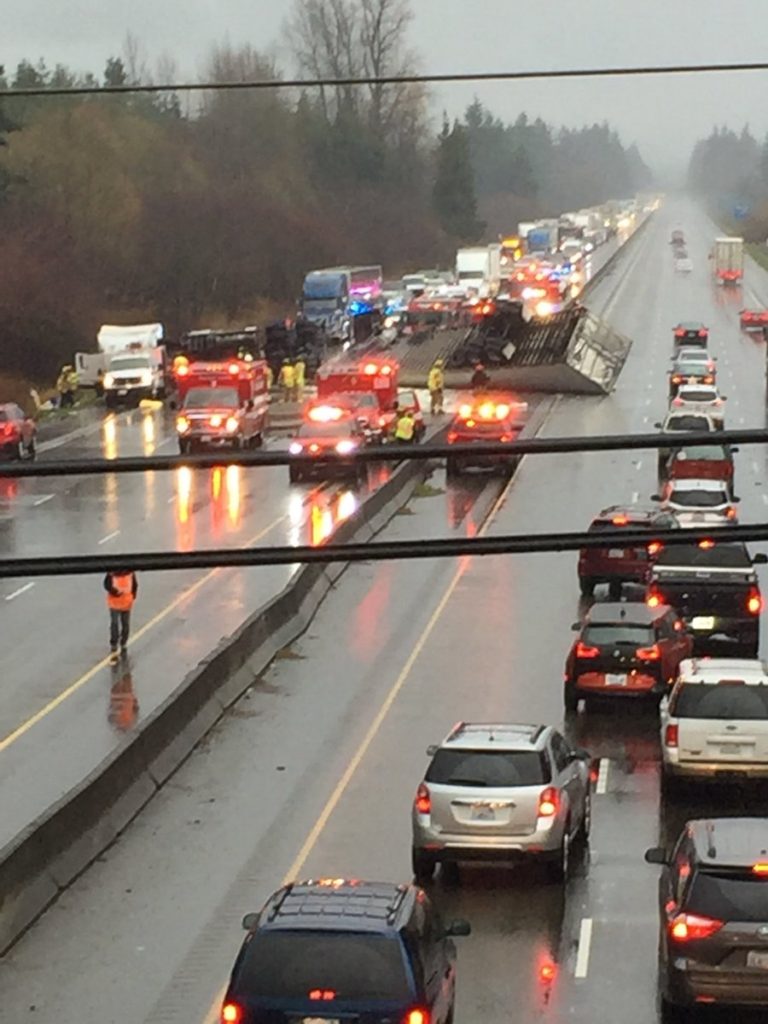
121, 587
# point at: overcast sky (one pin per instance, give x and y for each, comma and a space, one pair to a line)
663, 115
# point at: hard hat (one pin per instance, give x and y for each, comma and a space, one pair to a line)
439, 362
286, 362
479, 366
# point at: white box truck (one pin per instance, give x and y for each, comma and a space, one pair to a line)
478, 270
136, 363
728, 260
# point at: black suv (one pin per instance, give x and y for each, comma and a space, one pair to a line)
713, 907
341, 949
691, 332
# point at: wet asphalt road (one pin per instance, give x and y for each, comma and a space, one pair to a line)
314, 772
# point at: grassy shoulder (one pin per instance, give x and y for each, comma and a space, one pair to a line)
759, 253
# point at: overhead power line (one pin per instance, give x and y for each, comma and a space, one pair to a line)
377, 551
430, 79
384, 453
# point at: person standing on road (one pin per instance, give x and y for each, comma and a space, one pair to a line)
436, 383
405, 427
121, 587
288, 380
66, 385
300, 370
480, 379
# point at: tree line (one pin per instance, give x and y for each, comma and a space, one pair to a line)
729, 171
208, 211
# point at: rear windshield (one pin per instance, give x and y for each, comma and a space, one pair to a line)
697, 355
695, 498
691, 367
640, 636
291, 964
731, 556
687, 423
211, 398
729, 897
728, 700
705, 452
689, 395
496, 768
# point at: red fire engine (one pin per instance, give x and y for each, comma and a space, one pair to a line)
369, 384
221, 404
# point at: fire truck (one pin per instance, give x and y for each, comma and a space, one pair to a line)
220, 404
370, 385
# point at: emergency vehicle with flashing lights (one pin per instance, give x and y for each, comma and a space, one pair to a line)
356, 381
625, 650
331, 433
715, 589
482, 420
619, 563
221, 404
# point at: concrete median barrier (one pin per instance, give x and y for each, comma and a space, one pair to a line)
46, 857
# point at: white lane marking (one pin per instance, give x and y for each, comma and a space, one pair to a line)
755, 468
602, 776
585, 940
635, 497
741, 419
639, 464
646, 419
171, 499
109, 537
42, 500
647, 401
19, 592
765, 498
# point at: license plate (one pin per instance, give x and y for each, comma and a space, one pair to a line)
616, 552
615, 679
481, 812
730, 748
319, 1020
755, 959
122, 391
703, 622
205, 438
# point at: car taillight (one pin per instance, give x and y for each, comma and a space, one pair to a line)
652, 653
452, 437
416, 1017
231, 1013
586, 651
423, 801
689, 927
549, 801
708, 380
754, 602
679, 333
670, 735
730, 512
702, 334
677, 380
505, 438
677, 401
655, 547
654, 598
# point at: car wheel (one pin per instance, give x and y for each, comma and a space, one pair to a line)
449, 1018
671, 787
257, 440
671, 1013
614, 590
570, 697
295, 474
586, 586
31, 449
586, 822
423, 864
557, 869
20, 451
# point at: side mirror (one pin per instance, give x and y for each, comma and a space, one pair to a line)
458, 928
734, 449
735, 500
580, 754
655, 497
656, 855
432, 749
760, 559
658, 426
575, 626
250, 921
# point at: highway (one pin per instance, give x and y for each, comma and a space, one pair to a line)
314, 771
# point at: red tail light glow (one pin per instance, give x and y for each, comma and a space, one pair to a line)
620, 520
730, 512
325, 995
585, 651
754, 602
703, 333
655, 547
234, 369
423, 802
416, 1017
231, 1013
182, 370
547, 971
671, 734
679, 333
549, 801
709, 379
652, 653
677, 379
689, 927
706, 544
654, 599
761, 868
452, 437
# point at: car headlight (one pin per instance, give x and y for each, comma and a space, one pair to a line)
216, 421
109, 380
232, 424
544, 308
182, 424
146, 377
295, 448
346, 447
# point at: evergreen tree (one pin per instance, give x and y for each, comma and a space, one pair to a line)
453, 194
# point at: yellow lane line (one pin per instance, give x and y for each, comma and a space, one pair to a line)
341, 786
87, 676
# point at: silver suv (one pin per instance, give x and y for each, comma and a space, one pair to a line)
501, 792
714, 724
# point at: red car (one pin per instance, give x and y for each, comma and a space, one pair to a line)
330, 428
618, 563
18, 433
753, 319
702, 462
485, 418
405, 400
625, 650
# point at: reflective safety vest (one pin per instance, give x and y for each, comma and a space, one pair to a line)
288, 376
405, 427
123, 600
435, 380
300, 369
